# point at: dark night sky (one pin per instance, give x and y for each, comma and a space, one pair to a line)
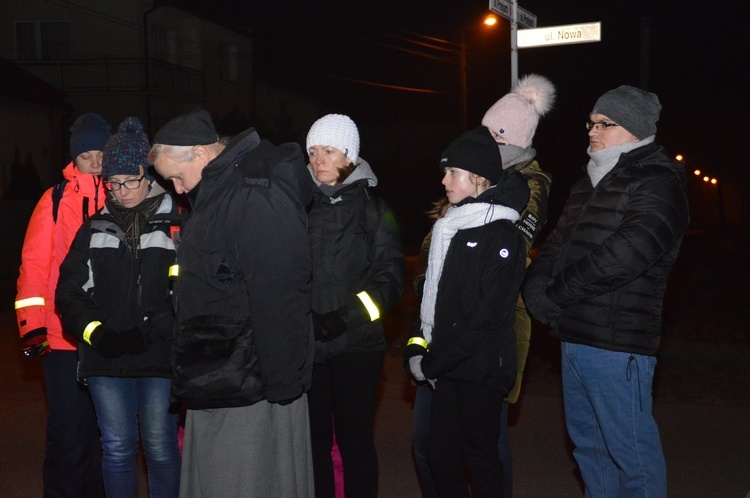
326, 49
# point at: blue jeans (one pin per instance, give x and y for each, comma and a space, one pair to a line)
420, 430
608, 404
121, 403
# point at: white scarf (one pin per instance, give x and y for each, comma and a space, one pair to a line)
455, 219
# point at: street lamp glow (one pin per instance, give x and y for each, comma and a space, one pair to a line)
714, 181
706, 179
679, 157
697, 172
490, 20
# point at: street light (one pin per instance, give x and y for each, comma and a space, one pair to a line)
713, 181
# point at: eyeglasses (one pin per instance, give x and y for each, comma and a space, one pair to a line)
128, 184
599, 125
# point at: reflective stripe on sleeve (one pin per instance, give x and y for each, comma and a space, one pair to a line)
419, 341
174, 271
29, 301
369, 305
89, 330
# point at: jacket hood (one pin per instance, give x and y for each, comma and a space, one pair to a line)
223, 164
363, 171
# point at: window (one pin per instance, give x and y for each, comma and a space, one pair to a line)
228, 63
42, 40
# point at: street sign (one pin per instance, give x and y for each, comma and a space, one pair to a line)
560, 35
504, 8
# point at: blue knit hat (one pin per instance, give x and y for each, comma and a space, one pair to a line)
126, 150
89, 132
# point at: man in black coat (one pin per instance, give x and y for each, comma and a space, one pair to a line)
244, 345
599, 281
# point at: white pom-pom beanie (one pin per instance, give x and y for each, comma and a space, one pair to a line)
335, 130
515, 116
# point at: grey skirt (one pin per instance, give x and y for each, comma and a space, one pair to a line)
261, 450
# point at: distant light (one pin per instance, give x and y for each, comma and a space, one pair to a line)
490, 20
714, 181
679, 157
706, 179
697, 172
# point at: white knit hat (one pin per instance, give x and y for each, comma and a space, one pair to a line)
335, 130
515, 116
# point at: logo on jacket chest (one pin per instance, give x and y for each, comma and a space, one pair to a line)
503, 253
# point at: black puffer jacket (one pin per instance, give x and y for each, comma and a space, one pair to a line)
243, 295
612, 250
103, 279
356, 247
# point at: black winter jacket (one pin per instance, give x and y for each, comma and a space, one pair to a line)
612, 251
474, 339
103, 279
356, 247
243, 296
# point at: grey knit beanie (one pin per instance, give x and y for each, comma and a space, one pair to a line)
632, 108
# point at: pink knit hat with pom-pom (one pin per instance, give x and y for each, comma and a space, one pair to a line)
515, 116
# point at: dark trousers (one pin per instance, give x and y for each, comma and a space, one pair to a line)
343, 396
465, 422
420, 435
73, 461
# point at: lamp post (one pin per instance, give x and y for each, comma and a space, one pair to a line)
514, 44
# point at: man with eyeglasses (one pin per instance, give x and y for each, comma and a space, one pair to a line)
599, 281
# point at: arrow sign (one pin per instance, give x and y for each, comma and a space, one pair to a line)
560, 35
504, 8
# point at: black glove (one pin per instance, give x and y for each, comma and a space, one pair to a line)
115, 343
328, 326
537, 301
35, 343
158, 324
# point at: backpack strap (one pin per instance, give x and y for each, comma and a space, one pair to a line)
57, 193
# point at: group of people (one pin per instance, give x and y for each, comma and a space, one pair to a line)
598, 280
249, 303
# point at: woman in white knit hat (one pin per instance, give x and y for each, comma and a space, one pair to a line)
358, 266
512, 121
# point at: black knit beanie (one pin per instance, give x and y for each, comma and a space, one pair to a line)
192, 128
474, 151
